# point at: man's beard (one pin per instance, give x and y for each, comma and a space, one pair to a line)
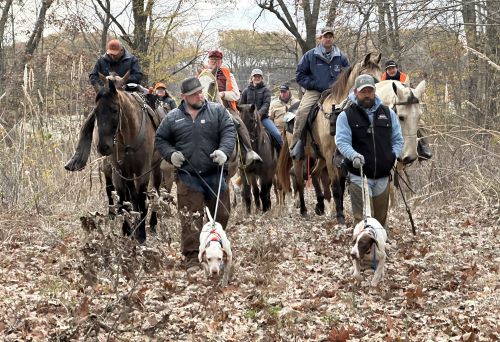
366, 103
196, 105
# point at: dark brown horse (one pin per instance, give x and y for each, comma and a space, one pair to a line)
262, 172
126, 133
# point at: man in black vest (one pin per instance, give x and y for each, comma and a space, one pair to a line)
369, 135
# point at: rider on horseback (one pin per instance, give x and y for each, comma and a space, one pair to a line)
316, 71
230, 94
258, 94
392, 73
281, 105
164, 97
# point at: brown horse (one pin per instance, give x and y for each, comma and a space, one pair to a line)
319, 133
126, 133
263, 172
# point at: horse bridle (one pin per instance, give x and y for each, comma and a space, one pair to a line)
139, 139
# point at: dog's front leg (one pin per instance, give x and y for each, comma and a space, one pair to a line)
379, 272
356, 269
227, 270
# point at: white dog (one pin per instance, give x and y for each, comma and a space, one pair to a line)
369, 239
214, 248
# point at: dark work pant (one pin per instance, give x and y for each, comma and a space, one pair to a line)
190, 201
379, 204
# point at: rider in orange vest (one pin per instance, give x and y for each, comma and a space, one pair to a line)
392, 73
230, 94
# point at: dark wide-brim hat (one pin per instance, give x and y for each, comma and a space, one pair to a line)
190, 86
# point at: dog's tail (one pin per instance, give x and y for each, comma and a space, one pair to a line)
210, 218
367, 211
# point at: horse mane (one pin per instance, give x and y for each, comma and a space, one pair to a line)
338, 87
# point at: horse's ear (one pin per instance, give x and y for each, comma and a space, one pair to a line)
103, 78
419, 90
379, 57
367, 59
395, 88
125, 77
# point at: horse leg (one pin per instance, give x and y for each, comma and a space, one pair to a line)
319, 209
265, 195
157, 179
338, 189
246, 194
140, 203
327, 192
108, 177
256, 194
299, 178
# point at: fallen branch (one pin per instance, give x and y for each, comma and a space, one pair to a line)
484, 57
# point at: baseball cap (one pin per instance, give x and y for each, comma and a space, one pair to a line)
363, 81
325, 30
114, 47
256, 72
390, 63
160, 85
215, 54
284, 87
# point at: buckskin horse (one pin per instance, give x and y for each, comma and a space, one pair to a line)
263, 172
126, 132
319, 136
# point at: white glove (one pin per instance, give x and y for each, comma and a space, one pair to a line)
358, 161
177, 158
219, 157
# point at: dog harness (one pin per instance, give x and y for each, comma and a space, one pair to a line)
214, 236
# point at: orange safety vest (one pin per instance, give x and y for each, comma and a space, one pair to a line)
227, 75
402, 77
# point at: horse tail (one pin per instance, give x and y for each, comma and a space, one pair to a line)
283, 167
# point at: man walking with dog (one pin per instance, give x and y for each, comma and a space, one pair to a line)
197, 138
369, 137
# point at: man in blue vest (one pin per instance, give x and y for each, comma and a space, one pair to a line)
369, 135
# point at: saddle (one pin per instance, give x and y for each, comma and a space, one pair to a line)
155, 116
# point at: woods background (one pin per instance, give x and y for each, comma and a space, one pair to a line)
66, 272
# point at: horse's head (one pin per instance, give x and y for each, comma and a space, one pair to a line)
108, 110
367, 66
345, 81
250, 117
407, 105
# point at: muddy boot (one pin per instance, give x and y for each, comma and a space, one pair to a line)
251, 157
82, 152
298, 151
423, 149
338, 158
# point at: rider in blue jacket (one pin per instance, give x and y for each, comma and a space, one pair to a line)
316, 71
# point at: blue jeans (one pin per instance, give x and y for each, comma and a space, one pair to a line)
271, 128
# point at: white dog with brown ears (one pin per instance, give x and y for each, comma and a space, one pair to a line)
369, 239
215, 248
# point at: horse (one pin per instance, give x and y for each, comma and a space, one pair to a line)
319, 135
262, 143
126, 132
320, 182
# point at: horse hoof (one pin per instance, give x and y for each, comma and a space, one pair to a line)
304, 215
319, 209
341, 220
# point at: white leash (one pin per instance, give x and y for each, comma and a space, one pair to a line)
218, 192
364, 195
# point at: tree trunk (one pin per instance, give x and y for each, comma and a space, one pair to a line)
471, 83
382, 30
3, 23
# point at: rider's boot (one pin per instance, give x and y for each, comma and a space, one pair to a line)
82, 152
298, 150
251, 156
423, 148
